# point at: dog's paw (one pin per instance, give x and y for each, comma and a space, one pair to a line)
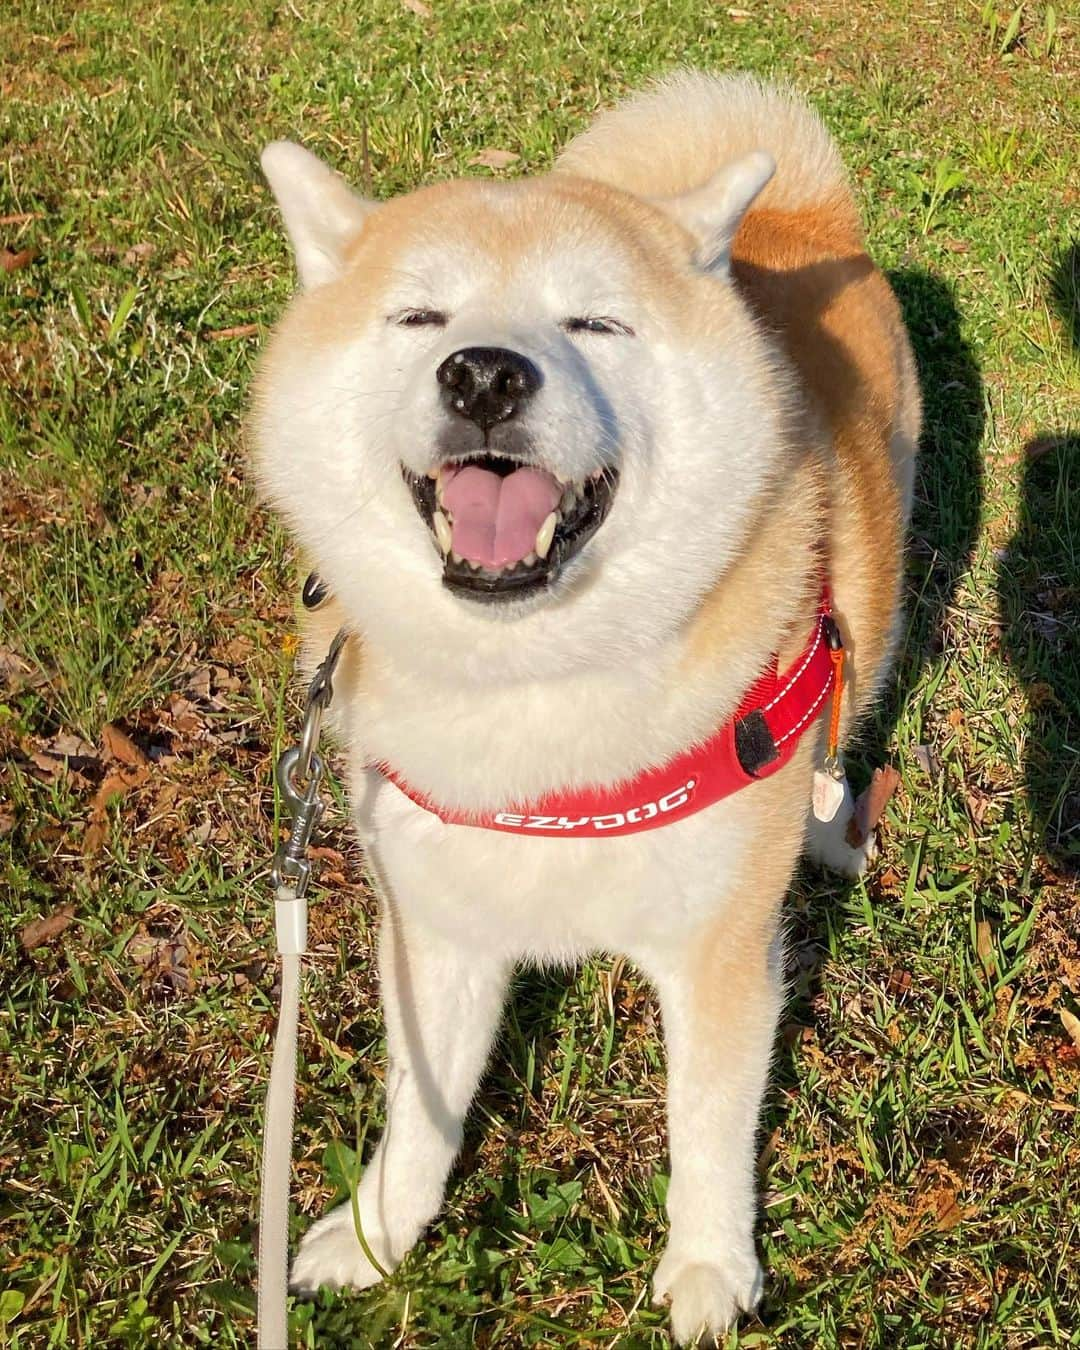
834, 852
331, 1257
706, 1298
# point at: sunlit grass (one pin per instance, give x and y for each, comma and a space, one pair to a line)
920, 1160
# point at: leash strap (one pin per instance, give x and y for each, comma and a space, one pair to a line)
299, 772
273, 1317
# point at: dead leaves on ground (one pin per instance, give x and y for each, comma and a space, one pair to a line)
150, 760
188, 771
167, 965
17, 673
127, 767
238, 330
494, 159
61, 754
934, 1208
14, 260
1071, 1023
41, 931
870, 805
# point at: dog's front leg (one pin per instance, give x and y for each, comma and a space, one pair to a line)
442, 1005
720, 998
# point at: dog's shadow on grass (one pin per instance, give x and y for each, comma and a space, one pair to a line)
948, 492
1038, 584
944, 528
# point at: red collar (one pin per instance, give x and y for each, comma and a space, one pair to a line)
756, 742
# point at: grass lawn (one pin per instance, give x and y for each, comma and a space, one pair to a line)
920, 1153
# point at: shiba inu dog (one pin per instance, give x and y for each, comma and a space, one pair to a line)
600, 469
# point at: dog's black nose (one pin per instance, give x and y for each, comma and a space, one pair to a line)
487, 384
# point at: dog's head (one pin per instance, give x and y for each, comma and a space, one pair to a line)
521, 426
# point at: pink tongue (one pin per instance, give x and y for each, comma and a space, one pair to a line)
495, 520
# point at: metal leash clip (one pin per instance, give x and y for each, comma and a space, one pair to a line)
299, 771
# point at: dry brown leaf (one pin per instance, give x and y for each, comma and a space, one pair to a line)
977, 802
16, 673
323, 853
139, 252
984, 946
870, 805
767, 1154
1071, 1023
71, 747
38, 932
166, 962
64, 753
417, 7
238, 330
117, 745
899, 982
494, 159
19, 218
947, 1212
12, 261
48, 766
237, 649
115, 784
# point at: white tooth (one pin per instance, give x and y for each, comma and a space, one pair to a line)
457, 557
528, 560
546, 533
433, 473
442, 531
569, 497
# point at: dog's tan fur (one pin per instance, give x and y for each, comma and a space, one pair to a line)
821, 408
807, 275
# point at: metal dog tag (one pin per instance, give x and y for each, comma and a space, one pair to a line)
827, 795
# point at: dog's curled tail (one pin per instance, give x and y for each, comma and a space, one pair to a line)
672, 138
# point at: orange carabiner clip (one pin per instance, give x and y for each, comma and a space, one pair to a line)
836, 656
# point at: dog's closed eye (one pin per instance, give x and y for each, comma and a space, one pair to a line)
418, 318
603, 324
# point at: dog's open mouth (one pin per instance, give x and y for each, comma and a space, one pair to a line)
506, 529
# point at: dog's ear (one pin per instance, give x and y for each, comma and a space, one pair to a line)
322, 214
712, 213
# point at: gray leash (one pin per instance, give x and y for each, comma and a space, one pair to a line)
299, 772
